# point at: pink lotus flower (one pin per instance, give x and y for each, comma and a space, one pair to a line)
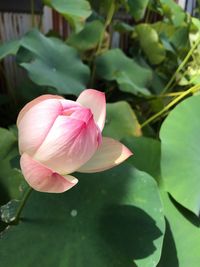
59, 136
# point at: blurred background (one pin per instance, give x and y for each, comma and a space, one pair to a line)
17, 18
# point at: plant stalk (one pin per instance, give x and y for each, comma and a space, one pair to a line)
22, 203
32, 13
109, 17
171, 104
183, 63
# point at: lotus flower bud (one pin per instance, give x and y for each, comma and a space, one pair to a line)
58, 137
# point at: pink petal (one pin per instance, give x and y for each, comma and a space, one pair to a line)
108, 155
95, 100
43, 179
34, 102
35, 124
69, 144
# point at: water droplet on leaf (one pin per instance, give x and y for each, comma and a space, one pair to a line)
9, 210
73, 213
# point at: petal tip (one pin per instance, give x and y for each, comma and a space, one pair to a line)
128, 152
71, 179
125, 154
96, 101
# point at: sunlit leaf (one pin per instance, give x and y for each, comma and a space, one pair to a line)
182, 239
150, 43
181, 153
173, 11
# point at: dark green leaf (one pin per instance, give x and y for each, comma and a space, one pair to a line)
11, 182
114, 65
101, 7
10, 179
109, 219
146, 154
88, 38
137, 8
53, 63
7, 141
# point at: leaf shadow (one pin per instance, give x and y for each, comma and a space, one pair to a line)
129, 230
190, 216
169, 252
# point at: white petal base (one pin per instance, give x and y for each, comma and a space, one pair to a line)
109, 154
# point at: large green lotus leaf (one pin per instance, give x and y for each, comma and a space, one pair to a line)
150, 43
9, 48
51, 62
181, 153
182, 239
146, 154
88, 38
75, 11
182, 228
121, 121
109, 219
114, 65
137, 8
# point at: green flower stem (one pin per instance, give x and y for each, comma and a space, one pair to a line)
149, 98
189, 54
171, 104
32, 13
109, 17
22, 203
